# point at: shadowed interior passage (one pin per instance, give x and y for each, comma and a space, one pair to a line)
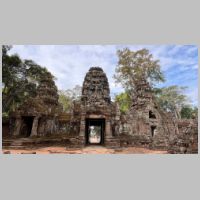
95, 131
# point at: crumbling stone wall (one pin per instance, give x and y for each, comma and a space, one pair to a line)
146, 124
96, 103
186, 141
44, 109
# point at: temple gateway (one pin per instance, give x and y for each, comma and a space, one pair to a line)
96, 120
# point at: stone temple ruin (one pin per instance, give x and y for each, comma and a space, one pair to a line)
95, 119
38, 115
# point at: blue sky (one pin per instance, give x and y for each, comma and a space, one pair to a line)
69, 63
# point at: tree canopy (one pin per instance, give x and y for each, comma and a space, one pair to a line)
134, 66
171, 99
66, 97
20, 79
124, 101
188, 112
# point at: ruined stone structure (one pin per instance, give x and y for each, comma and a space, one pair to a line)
186, 141
145, 122
144, 125
95, 108
38, 115
95, 119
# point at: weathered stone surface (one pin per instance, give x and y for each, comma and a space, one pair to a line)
38, 115
95, 103
187, 139
144, 125
145, 122
95, 93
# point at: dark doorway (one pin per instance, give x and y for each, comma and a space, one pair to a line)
153, 128
152, 115
95, 129
26, 126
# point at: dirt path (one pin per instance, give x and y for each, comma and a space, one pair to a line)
86, 150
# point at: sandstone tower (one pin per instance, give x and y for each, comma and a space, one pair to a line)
96, 106
37, 116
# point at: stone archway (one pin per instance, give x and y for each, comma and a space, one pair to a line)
95, 131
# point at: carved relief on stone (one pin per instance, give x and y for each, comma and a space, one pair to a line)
95, 88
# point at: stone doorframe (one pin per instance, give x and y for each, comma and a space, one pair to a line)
95, 121
107, 133
18, 124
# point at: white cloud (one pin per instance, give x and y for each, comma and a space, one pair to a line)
193, 95
195, 67
69, 63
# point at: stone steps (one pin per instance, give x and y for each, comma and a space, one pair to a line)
112, 142
29, 142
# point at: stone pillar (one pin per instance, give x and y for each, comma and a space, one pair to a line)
82, 126
108, 132
18, 123
82, 131
34, 126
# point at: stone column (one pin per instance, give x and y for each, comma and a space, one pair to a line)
82, 126
34, 126
82, 131
18, 123
108, 132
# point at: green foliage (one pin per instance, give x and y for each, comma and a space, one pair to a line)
75, 93
135, 66
65, 100
66, 97
188, 112
124, 101
171, 99
20, 79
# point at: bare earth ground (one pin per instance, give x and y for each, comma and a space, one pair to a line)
86, 150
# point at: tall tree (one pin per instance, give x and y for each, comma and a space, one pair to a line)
65, 100
66, 97
171, 99
134, 66
20, 79
189, 112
